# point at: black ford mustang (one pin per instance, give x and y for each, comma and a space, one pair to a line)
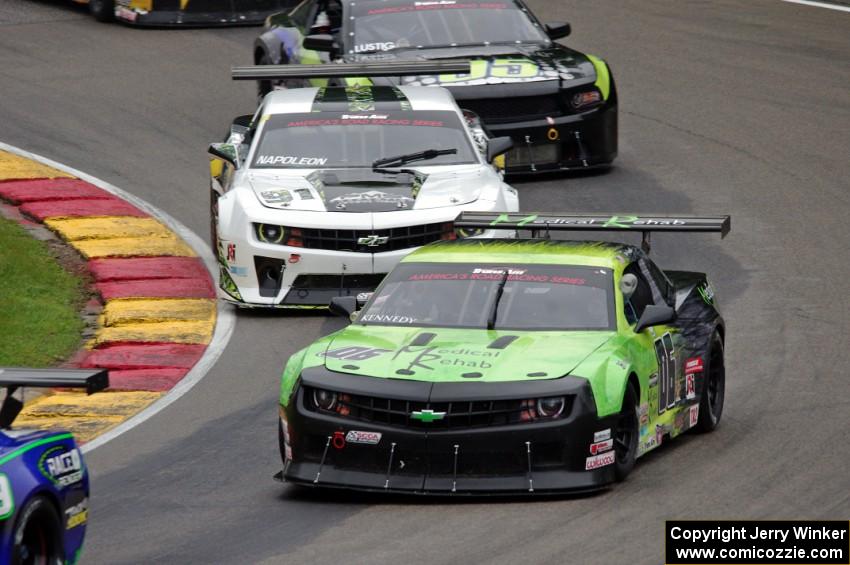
559, 105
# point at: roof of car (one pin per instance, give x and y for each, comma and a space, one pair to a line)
529, 251
359, 99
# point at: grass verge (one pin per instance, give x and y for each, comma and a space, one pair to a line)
40, 302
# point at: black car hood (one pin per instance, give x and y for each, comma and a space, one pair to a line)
540, 70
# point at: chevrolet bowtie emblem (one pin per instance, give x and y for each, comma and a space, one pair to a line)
373, 240
427, 415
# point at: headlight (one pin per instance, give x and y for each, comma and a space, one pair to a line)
587, 99
468, 232
324, 399
281, 235
551, 407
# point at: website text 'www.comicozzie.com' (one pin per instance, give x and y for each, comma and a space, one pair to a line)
759, 543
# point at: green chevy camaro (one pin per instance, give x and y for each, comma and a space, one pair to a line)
499, 366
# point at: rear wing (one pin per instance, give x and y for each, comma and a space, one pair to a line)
12, 378
350, 70
542, 224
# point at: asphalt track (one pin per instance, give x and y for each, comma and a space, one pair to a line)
726, 106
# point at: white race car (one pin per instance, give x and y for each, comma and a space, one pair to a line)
323, 190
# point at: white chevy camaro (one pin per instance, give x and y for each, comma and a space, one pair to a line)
323, 190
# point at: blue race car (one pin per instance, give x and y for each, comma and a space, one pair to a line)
44, 485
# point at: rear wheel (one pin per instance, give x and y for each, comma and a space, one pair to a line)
38, 535
102, 10
714, 388
626, 434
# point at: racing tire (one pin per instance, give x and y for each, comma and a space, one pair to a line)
38, 534
102, 10
214, 224
626, 435
714, 388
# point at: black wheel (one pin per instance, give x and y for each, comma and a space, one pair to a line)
38, 535
714, 388
102, 10
214, 223
264, 86
626, 434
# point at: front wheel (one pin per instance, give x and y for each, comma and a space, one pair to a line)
102, 10
626, 434
38, 534
713, 388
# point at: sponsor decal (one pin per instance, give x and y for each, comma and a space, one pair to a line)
361, 121
602, 435
238, 271
367, 438
126, 14
364, 116
283, 197
496, 275
62, 466
690, 388
598, 461
7, 498
271, 160
649, 444
693, 365
388, 319
601, 446
77, 515
231, 252
372, 197
643, 414
378, 46
693, 413
354, 353
706, 291
659, 434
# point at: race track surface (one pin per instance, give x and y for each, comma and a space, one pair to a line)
737, 107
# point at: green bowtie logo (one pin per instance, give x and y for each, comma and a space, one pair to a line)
427, 415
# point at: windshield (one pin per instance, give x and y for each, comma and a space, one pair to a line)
534, 297
392, 24
338, 139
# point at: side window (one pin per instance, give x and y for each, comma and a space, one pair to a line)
301, 13
642, 296
662, 291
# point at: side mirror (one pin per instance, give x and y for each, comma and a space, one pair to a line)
343, 306
557, 30
655, 315
498, 146
323, 42
226, 152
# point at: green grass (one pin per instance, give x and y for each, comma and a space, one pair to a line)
40, 323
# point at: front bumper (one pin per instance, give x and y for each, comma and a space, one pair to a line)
564, 143
524, 458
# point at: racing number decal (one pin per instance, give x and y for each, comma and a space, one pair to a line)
666, 372
500, 68
7, 499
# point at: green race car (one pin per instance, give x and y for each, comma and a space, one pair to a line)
508, 366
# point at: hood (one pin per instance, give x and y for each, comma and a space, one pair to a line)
454, 354
555, 66
364, 190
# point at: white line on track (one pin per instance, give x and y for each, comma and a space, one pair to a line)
820, 5
225, 316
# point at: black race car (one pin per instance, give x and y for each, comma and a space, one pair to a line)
559, 105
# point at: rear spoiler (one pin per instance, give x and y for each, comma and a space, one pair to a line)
12, 378
343, 70
546, 223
